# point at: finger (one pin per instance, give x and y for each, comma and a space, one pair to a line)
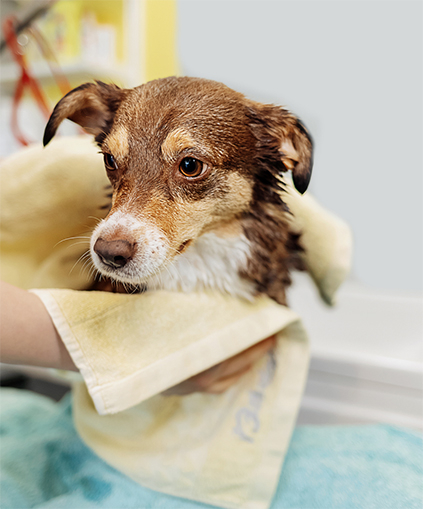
240, 361
220, 377
224, 384
182, 389
216, 387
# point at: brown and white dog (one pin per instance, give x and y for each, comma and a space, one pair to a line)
196, 171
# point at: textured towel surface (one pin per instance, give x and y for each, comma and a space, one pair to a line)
45, 465
48, 195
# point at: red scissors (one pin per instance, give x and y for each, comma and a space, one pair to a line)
26, 80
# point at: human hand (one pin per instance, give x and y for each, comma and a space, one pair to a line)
219, 378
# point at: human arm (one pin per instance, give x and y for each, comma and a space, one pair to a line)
27, 333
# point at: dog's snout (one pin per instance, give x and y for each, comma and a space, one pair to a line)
114, 253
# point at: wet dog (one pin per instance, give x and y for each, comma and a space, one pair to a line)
196, 170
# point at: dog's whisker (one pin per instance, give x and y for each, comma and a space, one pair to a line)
73, 238
81, 243
98, 219
80, 259
87, 262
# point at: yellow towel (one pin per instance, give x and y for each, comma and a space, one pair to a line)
226, 450
48, 195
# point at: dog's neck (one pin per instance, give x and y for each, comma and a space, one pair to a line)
210, 263
243, 258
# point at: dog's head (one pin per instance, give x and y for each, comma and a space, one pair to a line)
185, 157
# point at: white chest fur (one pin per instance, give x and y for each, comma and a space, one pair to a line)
211, 262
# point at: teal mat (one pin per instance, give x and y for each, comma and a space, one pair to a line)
44, 465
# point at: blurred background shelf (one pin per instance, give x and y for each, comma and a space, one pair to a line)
90, 39
76, 72
126, 42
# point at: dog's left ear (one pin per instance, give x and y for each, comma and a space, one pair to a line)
277, 129
91, 105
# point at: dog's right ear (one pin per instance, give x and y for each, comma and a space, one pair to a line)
91, 105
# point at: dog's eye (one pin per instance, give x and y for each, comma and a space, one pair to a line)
109, 162
191, 167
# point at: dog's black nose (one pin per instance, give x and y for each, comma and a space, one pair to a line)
114, 253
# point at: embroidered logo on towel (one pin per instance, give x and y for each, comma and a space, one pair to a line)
247, 418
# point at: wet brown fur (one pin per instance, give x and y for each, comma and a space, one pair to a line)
245, 145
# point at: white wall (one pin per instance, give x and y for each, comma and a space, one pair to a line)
352, 70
